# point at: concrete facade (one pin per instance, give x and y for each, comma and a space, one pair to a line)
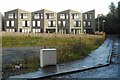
69, 21
1, 21
89, 21
18, 21
44, 21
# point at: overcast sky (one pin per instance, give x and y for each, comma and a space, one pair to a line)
101, 6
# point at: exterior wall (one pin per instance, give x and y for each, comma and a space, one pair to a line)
46, 27
68, 28
44, 22
89, 29
64, 29
13, 19
80, 28
24, 19
41, 21
70, 22
17, 21
1, 22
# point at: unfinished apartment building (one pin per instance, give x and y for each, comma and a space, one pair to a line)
69, 22
18, 21
89, 21
44, 21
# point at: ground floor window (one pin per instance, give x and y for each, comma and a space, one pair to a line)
63, 31
36, 30
50, 30
24, 30
10, 30
75, 31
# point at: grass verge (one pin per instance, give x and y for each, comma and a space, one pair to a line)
68, 49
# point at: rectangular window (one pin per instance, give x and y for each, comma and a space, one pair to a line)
25, 15
59, 23
10, 16
89, 23
23, 30
38, 23
23, 23
13, 30
75, 16
36, 16
12, 23
86, 16
33, 30
7, 23
49, 15
33, 23
54, 24
39, 30
77, 23
84, 23
66, 16
41, 16
74, 23
64, 23
72, 16
62, 16
21, 15
90, 16
51, 23
15, 16
28, 23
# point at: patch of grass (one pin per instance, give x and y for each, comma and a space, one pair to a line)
68, 48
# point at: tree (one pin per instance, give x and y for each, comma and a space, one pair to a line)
101, 23
112, 20
118, 10
112, 8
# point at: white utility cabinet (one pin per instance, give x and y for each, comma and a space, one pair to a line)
47, 57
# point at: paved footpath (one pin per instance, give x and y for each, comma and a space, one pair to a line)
111, 71
100, 56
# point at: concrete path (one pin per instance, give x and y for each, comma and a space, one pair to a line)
98, 57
